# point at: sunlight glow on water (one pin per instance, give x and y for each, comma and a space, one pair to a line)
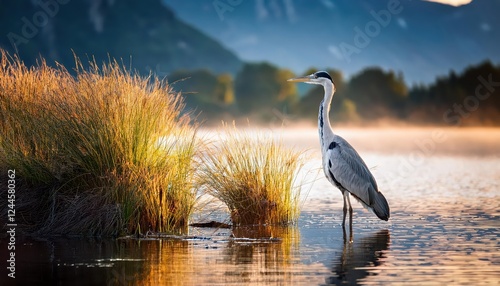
443, 230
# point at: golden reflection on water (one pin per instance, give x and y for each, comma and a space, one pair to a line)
257, 255
447, 242
443, 230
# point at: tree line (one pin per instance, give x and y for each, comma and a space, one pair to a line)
261, 91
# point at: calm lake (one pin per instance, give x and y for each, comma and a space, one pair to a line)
443, 187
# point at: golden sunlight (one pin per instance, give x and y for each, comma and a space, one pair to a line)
455, 3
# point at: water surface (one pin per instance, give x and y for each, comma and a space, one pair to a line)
443, 230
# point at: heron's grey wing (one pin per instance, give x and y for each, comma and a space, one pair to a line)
349, 171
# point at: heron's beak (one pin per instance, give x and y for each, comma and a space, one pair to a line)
301, 78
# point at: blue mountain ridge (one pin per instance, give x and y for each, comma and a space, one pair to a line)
144, 34
421, 39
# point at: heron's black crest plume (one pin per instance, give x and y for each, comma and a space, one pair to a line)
323, 74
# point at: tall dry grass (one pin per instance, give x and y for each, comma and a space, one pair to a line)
254, 175
104, 152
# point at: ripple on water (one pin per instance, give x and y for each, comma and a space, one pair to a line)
445, 216
444, 230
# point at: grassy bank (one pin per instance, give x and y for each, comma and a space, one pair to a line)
104, 152
254, 175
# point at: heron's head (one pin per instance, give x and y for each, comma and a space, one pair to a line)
320, 77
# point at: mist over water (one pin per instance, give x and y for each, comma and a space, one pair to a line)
442, 185
430, 141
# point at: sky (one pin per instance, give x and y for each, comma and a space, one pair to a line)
452, 2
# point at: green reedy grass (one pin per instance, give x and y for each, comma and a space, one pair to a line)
253, 174
90, 152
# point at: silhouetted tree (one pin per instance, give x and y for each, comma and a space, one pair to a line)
203, 90
224, 92
260, 87
469, 97
378, 93
472, 97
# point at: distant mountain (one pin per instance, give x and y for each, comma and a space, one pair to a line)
145, 32
421, 39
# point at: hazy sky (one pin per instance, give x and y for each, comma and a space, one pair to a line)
452, 2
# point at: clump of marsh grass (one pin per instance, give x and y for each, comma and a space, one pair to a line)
104, 152
254, 175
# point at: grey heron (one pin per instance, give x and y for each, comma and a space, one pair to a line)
342, 165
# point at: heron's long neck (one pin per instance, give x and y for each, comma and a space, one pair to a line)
324, 126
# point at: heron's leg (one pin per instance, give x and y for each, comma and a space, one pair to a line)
350, 219
346, 194
350, 208
344, 234
343, 221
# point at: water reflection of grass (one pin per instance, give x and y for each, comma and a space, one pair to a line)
86, 150
180, 262
284, 240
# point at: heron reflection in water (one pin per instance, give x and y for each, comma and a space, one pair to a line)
359, 259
